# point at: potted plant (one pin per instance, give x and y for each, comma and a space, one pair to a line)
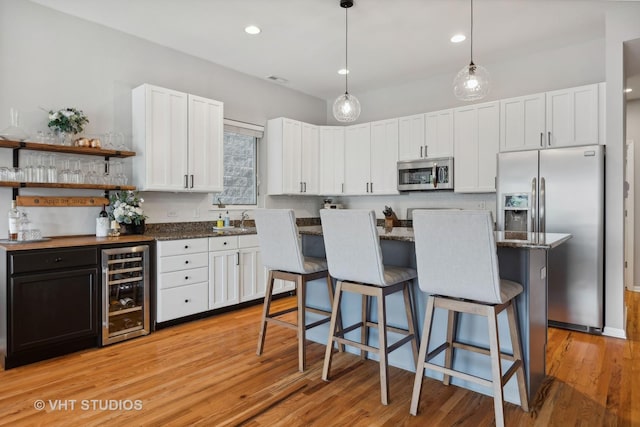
67, 122
125, 209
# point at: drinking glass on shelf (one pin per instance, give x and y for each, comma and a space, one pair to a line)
118, 175
90, 172
41, 168
4, 174
52, 170
76, 171
29, 167
16, 174
65, 169
106, 174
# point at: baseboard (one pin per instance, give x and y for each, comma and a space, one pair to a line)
614, 332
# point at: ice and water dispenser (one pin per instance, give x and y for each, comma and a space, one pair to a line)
517, 212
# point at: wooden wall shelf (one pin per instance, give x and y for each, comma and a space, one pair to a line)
36, 146
64, 185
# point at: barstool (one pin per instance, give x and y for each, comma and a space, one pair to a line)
458, 266
354, 256
282, 255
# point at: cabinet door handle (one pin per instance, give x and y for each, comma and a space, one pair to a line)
186, 262
421, 148
186, 181
541, 138
367, 187
191, 181
186, 277
549, 139
342, 187
224, 243
187, 300
237, 258
426, 149
371, 186
58, 259
186, 246
305, 187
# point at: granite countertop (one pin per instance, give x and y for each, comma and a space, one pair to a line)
195, 234
69, 241
504, 239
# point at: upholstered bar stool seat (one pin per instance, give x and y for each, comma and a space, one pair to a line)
354, 257
461, 275
282, 255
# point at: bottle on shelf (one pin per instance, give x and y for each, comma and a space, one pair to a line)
227, 221
220, 222
102, 223
14, 216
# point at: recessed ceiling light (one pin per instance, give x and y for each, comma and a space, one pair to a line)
343, 71
458, 38
252, 29
627, 90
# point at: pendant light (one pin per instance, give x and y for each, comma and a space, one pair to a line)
472, 82
346, 108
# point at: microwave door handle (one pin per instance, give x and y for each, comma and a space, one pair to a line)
434, 175
533, 205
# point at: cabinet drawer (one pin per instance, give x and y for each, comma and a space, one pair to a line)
182, 278
183, 262
182, 301
53, 260
223, 243
248, 241
181, 247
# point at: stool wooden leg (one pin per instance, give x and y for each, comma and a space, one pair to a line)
517, 354
496, 366
265, 313
452, 327
301, 293
332, 331
382, 347
424, 345
364, 332
339, 320
408, 308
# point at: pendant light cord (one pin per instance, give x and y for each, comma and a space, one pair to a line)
471, 31
346, 50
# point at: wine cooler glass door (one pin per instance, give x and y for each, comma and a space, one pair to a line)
125, 293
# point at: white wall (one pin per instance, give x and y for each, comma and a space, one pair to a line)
49, 60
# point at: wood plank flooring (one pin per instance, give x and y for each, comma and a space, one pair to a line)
207, 373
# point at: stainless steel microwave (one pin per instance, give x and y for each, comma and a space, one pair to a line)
425, 174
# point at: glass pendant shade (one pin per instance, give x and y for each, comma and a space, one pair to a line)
471, 83
346, 108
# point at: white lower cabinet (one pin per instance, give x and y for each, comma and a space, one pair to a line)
224, 269
183, 278
253, 275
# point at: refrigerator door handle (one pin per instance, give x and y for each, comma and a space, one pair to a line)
534, 205
542, 211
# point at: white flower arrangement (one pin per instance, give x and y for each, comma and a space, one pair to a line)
125, 208
68, 120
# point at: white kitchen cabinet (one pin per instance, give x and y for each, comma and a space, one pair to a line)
253, 275
179, 141
292, 156
371, 155
573, 116
438, 134
411, 137
553, 119
224, 271
331, 160
183, 278
522, 123
476, 143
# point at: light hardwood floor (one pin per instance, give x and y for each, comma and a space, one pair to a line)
207, 373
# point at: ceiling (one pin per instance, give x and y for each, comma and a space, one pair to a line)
390, 41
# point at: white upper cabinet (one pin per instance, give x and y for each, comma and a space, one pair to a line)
559, 118
206, 137
357, 164
411, 138
371, 156
522, 123
178, 139
573, 116
292, 156
439, 134
331, 159
476, 142
384, 157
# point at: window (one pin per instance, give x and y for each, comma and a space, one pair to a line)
240, 164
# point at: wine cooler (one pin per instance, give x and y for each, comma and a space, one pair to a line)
125, 301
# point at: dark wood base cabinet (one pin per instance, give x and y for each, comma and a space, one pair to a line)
48, 303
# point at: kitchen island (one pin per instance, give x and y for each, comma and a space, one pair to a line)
522, 258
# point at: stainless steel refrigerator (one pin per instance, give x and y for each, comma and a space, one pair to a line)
561, 190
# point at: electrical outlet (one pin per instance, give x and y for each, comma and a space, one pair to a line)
172, 214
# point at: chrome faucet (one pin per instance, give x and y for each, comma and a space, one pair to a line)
242, 218
220, 204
